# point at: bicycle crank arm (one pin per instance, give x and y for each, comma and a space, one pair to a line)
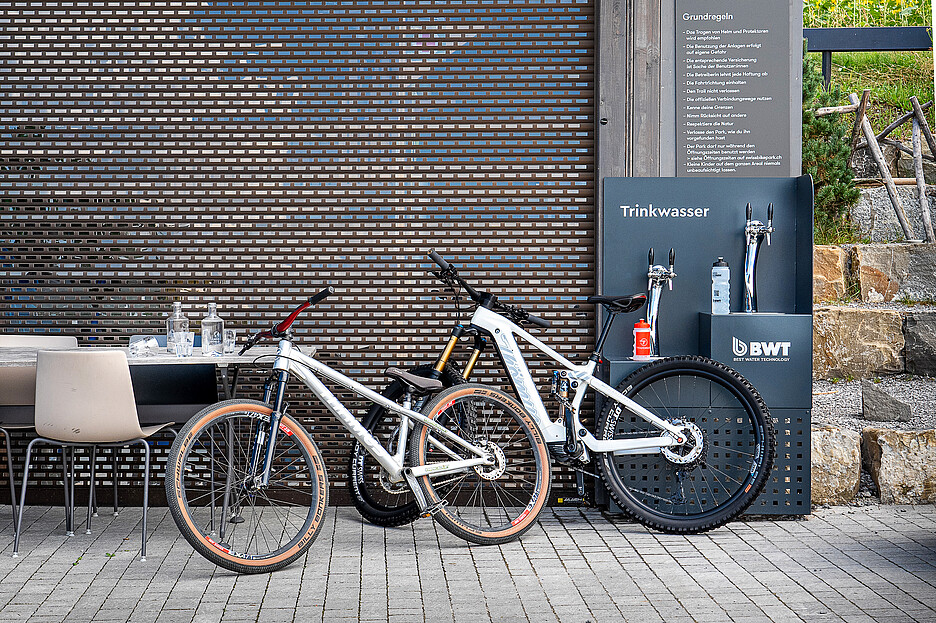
416, 489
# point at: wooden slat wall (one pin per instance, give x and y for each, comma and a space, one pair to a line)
250, 152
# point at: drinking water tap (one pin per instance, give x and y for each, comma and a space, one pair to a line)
657, 275
754, 234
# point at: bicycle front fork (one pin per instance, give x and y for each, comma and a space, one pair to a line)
264, 443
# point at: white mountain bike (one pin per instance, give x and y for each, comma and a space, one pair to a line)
247, 487
684, 444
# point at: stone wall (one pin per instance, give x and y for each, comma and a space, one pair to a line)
896, 331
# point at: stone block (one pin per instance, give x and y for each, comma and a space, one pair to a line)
895, 271
901, 463
835, 465
920, 336
828, 273
864, 165
856, 342
905, 166
879, 406
877, 221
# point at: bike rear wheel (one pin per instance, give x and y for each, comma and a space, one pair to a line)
491, 504
712, 479
213, 501
378, 500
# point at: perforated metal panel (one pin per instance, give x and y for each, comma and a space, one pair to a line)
250, 152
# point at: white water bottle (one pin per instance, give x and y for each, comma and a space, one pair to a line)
721, 286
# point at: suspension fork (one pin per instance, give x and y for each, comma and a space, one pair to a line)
479, 344
457, 332
265, 440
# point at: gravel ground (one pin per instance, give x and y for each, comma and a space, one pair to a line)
839, 404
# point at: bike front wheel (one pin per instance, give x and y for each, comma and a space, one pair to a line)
221, 512
717, 474
484, 504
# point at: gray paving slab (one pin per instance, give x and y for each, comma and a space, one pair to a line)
872, 563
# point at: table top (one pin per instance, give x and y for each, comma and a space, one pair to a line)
20, 357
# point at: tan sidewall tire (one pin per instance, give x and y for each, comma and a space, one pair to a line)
433, 410
178, 506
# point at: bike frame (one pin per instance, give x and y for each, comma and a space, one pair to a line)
290, 361
504, 333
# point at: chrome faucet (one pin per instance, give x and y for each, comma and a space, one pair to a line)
658, 275
754, 234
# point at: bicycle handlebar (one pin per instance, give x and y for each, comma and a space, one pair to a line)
280, 329
515, 312
438, 259
540, 322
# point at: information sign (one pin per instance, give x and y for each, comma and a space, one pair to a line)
732, 88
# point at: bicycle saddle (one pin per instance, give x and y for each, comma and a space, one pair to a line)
421, 384
620, 303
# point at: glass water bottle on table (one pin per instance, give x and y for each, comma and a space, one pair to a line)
177, 323
212, 332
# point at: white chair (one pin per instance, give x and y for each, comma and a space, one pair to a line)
85, 399
18, 392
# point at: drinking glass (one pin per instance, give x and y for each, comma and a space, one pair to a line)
230, 341
143, 346
184, 341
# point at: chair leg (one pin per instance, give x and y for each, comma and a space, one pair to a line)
114, 477
71, 484
69, 530
91, 491
9, 458
22, 503
146, 475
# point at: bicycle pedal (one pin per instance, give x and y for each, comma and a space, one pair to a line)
432, 510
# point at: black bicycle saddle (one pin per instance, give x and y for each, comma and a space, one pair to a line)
626, 303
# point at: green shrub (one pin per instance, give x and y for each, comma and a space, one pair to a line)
826, 150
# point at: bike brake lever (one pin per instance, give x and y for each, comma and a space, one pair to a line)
251, 342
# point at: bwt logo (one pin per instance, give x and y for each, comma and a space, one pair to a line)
759, 349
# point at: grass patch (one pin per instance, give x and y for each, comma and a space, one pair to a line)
893, 78
854, 13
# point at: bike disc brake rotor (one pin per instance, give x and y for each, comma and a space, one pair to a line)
495, 471
689, 453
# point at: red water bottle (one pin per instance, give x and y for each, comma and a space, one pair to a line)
642, 341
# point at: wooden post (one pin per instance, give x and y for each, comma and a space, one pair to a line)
885, 172
900, 147
903, 119
921, 182
859, 117
924, 126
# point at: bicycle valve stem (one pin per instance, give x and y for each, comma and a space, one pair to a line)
754, 234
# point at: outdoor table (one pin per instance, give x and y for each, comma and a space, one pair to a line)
227, 365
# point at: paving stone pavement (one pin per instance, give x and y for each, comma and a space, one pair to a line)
865, 564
